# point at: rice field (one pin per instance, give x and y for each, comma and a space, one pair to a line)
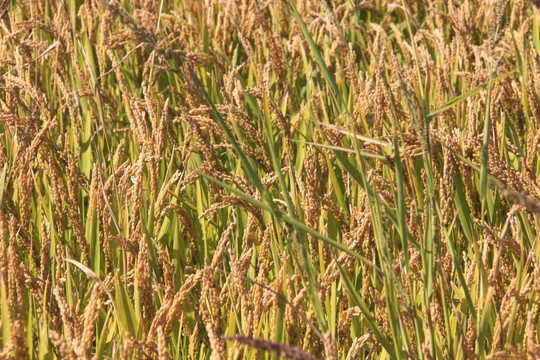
269, 179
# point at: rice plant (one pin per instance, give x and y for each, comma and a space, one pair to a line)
266, 179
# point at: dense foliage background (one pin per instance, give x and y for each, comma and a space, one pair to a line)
242, 179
